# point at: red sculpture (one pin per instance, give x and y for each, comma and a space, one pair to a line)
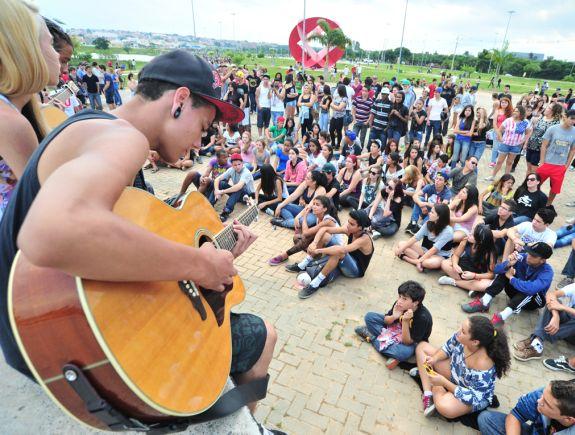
307, 55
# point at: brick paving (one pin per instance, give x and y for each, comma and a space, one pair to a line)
323, 379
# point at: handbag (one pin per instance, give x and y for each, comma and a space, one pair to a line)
347, 118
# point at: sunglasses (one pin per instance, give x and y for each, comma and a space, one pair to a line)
373, 173
532, 179
473, 163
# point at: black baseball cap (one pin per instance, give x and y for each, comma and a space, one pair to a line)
191, 71
539, 249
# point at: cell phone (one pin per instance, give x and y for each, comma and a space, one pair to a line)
429, 370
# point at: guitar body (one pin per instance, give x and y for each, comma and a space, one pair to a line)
143, 345
53, 116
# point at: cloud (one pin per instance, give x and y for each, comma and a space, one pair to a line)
431, 26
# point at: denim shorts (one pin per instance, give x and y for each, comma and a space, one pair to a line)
291, 104
508, 149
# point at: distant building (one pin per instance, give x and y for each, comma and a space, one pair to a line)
530, 56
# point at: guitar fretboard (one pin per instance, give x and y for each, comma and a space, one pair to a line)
226, 239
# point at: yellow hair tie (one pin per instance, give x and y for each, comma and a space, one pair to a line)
495, 332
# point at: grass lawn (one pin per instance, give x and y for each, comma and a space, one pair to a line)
519, 85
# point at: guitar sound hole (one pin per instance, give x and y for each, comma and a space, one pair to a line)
204, 239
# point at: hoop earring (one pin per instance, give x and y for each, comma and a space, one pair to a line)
178, 112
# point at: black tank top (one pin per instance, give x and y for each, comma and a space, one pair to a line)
360, 258
372, 160
24, 194
307, 197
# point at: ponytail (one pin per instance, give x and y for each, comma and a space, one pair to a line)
493, 340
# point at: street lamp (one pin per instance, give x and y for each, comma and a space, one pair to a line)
504, 38
402, 32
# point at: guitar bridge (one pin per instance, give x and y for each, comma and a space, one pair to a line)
191, 291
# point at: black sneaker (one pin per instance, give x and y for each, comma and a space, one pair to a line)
558, 364
277, 221
293, 268
412, 228
307, 292
224, 216
364, 334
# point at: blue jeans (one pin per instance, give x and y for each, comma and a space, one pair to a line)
569, 268
393, 133
520, 219
414, 134
399, 351
95, 100
493, 423
324, 121
476, 149
460, 150
233, 198
434, 126
566, 326
117, 97
564, 236
495, 149
418, 212
290, 211
376, 133
348, 267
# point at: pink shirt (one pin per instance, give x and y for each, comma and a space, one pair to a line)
297, 174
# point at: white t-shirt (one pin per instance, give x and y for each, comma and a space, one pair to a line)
529, 235
350, 93
70, 104
569, 298
435, 108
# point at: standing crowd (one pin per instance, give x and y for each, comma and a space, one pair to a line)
377, 148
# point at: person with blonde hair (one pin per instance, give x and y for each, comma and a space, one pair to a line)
28, 63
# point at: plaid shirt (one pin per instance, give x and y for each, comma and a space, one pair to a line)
514, 132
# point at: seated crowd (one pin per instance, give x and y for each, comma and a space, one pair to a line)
366, 153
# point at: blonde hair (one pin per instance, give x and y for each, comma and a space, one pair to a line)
23, 68
412, 174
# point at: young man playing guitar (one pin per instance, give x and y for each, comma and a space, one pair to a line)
61, 215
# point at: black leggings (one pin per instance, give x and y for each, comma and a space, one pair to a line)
306, 125
335, 127
349, 201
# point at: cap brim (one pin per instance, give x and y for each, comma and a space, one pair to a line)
227, 112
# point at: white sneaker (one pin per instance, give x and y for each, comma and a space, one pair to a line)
570, 221
375, 235
570, 204
446, 280
490, 178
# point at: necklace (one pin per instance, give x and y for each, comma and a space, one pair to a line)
471, 353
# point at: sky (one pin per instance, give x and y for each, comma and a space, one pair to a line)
376, 24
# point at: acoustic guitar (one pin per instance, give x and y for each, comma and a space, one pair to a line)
153, 350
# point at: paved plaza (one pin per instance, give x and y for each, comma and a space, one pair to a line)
323, 379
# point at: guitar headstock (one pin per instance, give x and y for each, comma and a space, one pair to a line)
251, 203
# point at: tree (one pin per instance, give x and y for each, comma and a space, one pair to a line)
330, 38
127, 48
101, 43
531, 68
501, 57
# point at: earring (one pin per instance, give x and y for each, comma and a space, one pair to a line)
178, 112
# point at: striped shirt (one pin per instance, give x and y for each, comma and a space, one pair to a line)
362, 109
380, 111
514, 132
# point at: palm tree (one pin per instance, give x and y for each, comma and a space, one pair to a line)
331, 38
501, 57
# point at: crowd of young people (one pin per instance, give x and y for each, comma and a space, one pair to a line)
359, 145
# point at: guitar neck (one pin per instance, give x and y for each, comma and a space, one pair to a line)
227, 239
